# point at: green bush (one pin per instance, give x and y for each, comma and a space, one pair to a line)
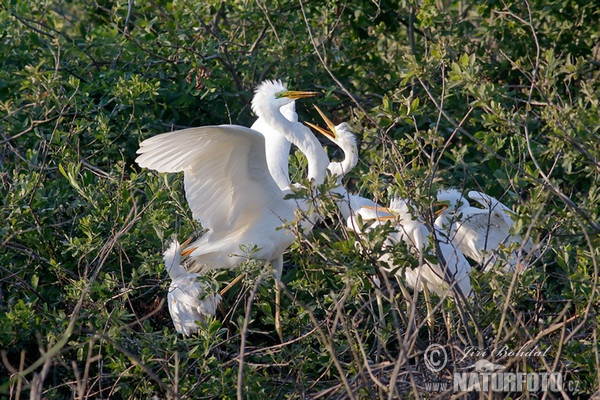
494, 96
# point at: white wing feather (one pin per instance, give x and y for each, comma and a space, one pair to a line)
227, 182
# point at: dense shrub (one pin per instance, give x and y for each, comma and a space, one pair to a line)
495, 96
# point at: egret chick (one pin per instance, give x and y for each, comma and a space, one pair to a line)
480, 233
187, 298
453, 268
345, 139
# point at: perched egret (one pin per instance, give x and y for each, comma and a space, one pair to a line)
344, 138
480, 233
187, 298
453, 268
228, 185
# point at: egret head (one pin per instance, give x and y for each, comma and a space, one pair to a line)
172, 259
449, 205
273, 94
401, 207
338, 134
453, 198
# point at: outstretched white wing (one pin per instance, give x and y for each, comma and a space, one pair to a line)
227, 182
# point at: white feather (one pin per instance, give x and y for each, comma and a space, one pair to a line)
187, 298
480, 233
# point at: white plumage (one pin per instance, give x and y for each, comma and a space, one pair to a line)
277, 146
187, 298
439, 277
481, 233
228, 185
408, 229
229, 190
345, 139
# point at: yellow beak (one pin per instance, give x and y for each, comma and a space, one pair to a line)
184, 244
438, 207
380, 209
184, 250
295, 94
331, 133
187, 252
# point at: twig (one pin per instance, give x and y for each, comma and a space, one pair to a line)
244, 333
328, 344
337, 81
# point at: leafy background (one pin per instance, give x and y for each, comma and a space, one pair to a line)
495, 96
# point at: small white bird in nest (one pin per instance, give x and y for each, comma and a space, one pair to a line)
452, 269
189, 302
483, 234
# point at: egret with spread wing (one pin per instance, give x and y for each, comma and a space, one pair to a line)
228, 185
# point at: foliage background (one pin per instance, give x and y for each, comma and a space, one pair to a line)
496, 96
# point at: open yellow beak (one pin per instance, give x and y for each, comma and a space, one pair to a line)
295, 94
331, 133
183, 250
381, 209
438, 207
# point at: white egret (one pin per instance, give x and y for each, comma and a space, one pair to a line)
227, 182
453, 268
481, 233
187, 298
344, 138
408, 229
228, 185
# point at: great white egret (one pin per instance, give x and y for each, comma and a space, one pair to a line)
345, 139
228, 186
481, 233
453, 268
187, 298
